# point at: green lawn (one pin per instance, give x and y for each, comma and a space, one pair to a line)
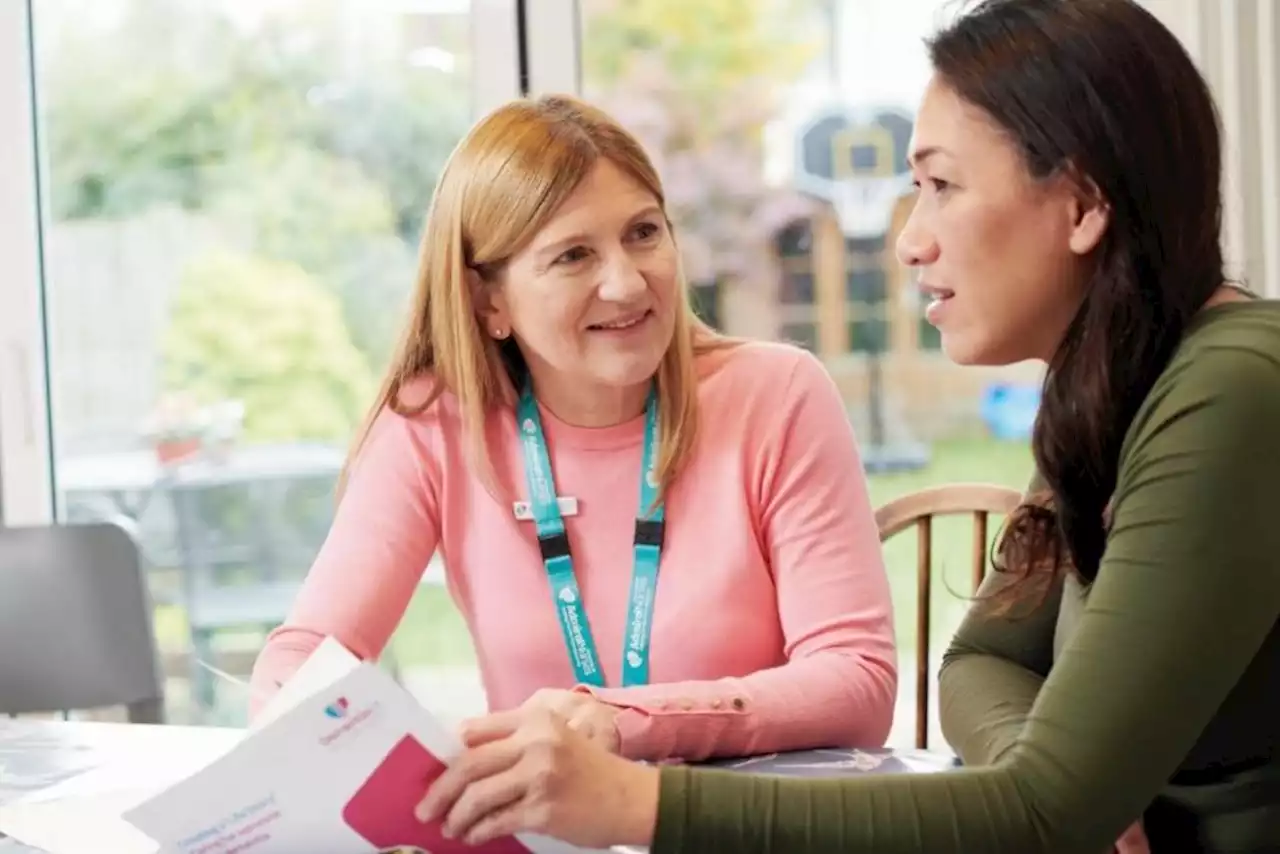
433, 633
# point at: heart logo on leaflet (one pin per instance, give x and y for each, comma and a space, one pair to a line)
634, 659
567, 595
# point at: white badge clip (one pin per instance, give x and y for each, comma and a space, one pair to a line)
524, 512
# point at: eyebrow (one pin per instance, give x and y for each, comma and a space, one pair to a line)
554, 249
918, 156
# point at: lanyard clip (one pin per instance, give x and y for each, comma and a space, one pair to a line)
553, 545
650, 532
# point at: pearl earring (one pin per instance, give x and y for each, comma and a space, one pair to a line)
499, 333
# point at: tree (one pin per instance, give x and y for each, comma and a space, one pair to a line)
401, 130
697, 82
194, 97
327, 216
189, 99
268, 335
314, 160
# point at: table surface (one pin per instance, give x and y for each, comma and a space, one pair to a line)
35, 754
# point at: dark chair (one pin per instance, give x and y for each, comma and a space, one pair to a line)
75, 623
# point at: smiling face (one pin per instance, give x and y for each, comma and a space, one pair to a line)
592, 300
1001, 255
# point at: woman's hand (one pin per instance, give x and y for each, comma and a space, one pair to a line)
584, 713
527, 771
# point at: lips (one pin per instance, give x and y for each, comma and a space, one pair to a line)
936, 293
938, 298
620, 324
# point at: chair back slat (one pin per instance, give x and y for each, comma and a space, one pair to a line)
924, 595
979, 547
918, 510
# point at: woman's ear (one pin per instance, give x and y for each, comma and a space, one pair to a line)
1091, 215
491, 305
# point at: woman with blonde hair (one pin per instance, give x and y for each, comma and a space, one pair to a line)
659, 533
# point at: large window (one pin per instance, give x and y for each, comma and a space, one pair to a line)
232, 195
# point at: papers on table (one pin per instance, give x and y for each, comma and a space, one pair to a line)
333, 765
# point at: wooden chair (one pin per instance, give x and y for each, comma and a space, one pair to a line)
919, 510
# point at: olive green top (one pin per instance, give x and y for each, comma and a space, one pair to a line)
1160, 692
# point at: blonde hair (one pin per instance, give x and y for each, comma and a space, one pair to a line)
501, 185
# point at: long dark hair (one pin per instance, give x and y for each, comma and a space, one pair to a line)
1101, 91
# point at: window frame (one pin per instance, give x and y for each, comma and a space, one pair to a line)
26, 470
553, 46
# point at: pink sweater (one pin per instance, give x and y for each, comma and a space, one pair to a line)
772, 627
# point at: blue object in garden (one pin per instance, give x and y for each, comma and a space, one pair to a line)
1009, 409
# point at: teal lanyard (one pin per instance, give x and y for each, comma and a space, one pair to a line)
554, 544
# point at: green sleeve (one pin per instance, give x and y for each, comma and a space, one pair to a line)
1186, 595
994, 667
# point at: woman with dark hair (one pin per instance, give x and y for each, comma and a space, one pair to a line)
1124, 663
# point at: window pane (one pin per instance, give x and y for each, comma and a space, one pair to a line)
868, 336
706, 302
801, 334
753, 111
235, 194
795, 241
796, 288
866, 286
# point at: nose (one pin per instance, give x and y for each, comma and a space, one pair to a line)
916, 245
622, 278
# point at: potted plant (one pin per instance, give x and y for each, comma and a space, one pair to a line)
176, 428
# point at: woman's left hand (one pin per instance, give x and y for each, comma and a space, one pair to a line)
526, 770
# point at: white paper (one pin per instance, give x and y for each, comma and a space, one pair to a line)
328, 663
339, 772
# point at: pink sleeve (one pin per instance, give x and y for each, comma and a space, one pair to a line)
839, 685
383, 534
